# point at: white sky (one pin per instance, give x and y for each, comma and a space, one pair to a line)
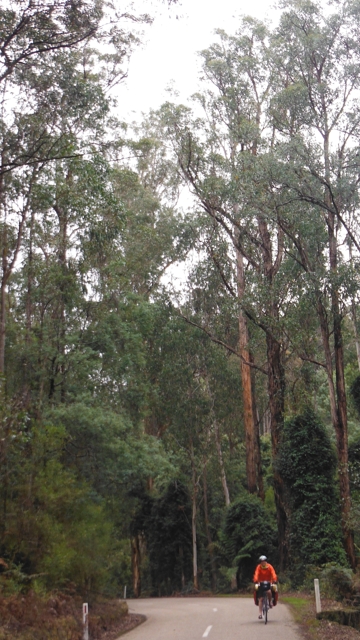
169, 53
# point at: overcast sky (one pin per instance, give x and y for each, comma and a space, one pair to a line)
169, 53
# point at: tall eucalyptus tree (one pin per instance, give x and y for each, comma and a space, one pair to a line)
316, 55
52, 54
274, 164
222, 157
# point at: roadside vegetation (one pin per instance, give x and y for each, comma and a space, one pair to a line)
160, 431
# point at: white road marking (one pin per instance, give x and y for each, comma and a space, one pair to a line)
205, 635
214, 609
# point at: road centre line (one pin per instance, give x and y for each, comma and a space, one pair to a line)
207, 631
214, 609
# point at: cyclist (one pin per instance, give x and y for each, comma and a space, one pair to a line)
264, 572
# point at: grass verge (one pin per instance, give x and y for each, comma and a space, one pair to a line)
303, 611
302, 607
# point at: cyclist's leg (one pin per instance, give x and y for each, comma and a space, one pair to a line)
260, 606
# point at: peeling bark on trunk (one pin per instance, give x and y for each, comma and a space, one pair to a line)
251, 441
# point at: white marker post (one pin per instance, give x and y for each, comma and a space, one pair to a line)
317, 595
125, 593
85, 621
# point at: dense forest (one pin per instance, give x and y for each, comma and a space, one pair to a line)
179, 305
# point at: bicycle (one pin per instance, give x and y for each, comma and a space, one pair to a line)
264, 588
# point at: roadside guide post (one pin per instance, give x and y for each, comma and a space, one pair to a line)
125, 593
85, 621
317, 595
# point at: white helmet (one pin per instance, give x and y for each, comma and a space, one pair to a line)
262, 559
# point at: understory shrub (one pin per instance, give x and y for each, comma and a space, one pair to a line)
246, 535
307, 465
55, 529
335, 580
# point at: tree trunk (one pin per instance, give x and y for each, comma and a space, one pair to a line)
9, 263
136, 565
30, 280
194, 543
4, 271
28, 312
193, 520
259, 472
2, 320
341, 428
208, 535
276, 385
62, 259
221, 464
181, 556
338, 423
354, 318
276, 390
342, 436
251, 440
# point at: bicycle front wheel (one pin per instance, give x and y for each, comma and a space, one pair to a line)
265, 607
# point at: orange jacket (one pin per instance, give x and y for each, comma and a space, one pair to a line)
266, 574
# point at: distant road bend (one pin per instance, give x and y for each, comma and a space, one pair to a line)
210, 618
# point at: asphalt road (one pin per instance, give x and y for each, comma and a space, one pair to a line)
211, 619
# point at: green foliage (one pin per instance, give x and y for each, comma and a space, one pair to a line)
55, 530
354, 467
247, 534
104, 448
355, 393
307, 465
108, 389
165, 523
336, 581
